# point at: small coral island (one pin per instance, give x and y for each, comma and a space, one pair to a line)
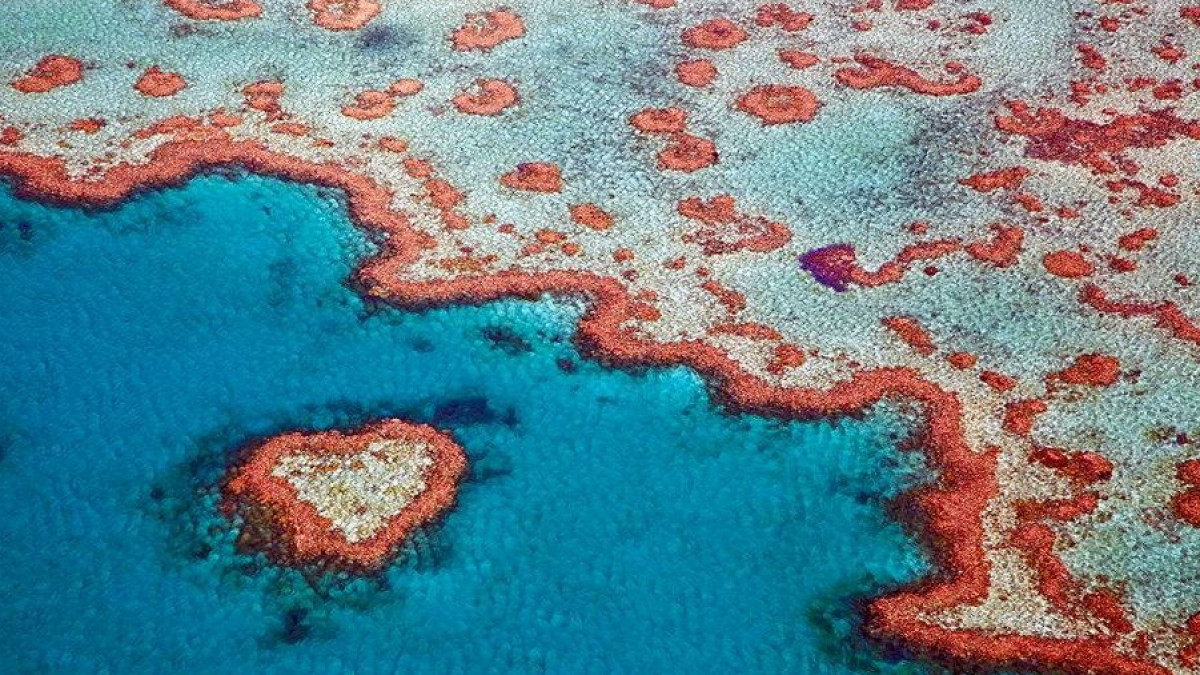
342, 500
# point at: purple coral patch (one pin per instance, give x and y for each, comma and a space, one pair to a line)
831, 266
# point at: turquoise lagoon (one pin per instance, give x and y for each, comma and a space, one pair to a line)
612, 521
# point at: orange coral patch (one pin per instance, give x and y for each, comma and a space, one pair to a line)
779, 104
485, 30
715, 34
343, 14
698, 73
591, 216
911, 333
487, 97
157, 83
1067, 264
1094, 370
51, 72
534, 177
215, 10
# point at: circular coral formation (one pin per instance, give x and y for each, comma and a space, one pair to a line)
216, 10
343, 14
487, 97
51, 72
370, 105
688, 153
343, 500
485, 30
716, 35
779, 104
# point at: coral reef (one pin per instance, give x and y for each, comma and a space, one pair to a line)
982, 208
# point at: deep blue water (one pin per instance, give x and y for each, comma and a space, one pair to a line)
613, 521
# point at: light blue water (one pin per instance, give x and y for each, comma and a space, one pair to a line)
613, 521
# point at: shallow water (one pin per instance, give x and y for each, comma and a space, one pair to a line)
612, 522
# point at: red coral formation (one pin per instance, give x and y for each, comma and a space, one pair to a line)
486, 97
1054, 582
534, 177
591, 216
292, 532
1011, 177
910, 331
660, 120
779, 104
998, 382
1019, 416
698, 73
11, 136
716, 34
1138, 239
797, 59
727, 231
405, 87
485, 30
1002, 250
1186, 507
837, 267
1091, 57
264, 96
874, 71
89, 125
51, 72
1083, 467
370, 105
1189, 472
1167, 315
779, 14
343, 14
684, 151
1093, 370
1147, 195
216, 10
1055, 137
962, 360
1067, 264
834, 266
732, 300
784, 358
688, 153
291, 128
442, 195
157, 83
